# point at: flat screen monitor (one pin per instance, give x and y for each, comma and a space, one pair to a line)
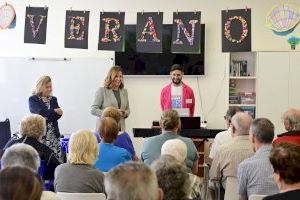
190, 122
135, 63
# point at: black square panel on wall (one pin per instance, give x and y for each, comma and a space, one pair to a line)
236, 30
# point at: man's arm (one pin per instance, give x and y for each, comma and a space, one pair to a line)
193, 104
215, 170
162, 100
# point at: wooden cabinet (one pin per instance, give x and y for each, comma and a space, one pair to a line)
203, 146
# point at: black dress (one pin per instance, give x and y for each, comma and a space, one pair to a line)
45, 153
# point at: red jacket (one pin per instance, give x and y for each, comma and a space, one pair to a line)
289, 137
187, 94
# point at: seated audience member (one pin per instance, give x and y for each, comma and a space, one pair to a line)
177, 148
123, 139
170, 124
224, 137
32, 129
132, 181
255, 174
285, 159
172, 178
230, 155
19, 183
24, 155
291, 120
109, 154
79, 175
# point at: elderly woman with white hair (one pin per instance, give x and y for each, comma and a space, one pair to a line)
32, 129
24, 155
177, 149
79, 175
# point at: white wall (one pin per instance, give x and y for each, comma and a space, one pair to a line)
144, 92
277, 85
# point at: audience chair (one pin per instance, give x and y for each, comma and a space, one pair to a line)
81, 196
256, 197
231, 192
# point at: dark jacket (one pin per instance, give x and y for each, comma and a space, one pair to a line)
37, 106
45, 153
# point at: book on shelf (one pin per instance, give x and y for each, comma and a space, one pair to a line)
239, 68
247, 97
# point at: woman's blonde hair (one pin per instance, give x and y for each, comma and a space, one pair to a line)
33, 126
112, 73
170, 120
113, 113
83, 148
40, 83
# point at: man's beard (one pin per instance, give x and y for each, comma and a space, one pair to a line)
176, 82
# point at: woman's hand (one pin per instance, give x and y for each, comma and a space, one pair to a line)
58, 111
123, 113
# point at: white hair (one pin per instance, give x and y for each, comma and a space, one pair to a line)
241, 121
22, 155
292, 116
176, 148
131, 181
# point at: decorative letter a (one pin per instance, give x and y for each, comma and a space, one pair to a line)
149, 29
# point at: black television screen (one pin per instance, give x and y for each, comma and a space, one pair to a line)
135, 63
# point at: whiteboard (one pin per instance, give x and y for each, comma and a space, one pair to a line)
74, 81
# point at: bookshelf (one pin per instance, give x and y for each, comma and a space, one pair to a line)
242, 81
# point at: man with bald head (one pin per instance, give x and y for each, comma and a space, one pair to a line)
230, 155
291, 120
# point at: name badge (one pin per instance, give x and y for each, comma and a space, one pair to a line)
188, 101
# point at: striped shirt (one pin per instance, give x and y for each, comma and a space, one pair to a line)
255, 174
228, 157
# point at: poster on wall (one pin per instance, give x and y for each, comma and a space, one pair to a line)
186, 32
236, 30
149, 32
111, 33
36, 25
76, 29
7, 16
283, 18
